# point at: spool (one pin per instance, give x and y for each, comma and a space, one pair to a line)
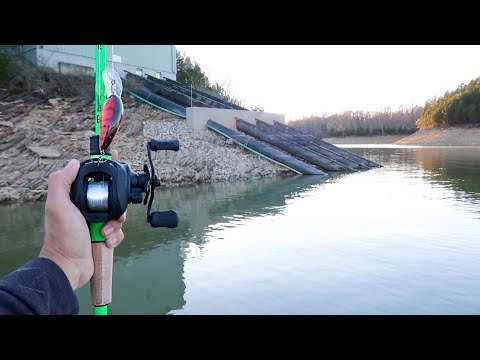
97, 196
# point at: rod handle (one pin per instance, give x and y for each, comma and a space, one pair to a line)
101, 281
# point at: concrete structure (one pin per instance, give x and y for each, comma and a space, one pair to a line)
197, 117
156, 60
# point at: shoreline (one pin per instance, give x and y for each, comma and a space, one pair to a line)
376, 139
41, 135
451, 136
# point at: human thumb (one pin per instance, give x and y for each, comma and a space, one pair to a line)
70, 171
60, 181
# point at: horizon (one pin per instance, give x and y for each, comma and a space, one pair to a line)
313, 80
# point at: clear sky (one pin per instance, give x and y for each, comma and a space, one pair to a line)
301, 80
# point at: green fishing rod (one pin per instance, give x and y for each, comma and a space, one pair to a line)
103, 187
101, 282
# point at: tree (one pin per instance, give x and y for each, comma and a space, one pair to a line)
361, 123
461, 106
189, 72
6, 52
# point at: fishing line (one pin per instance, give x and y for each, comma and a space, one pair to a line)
113, 59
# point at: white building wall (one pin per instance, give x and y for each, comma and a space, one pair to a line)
154, 60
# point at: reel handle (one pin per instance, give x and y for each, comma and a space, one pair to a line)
167, 218
173, 144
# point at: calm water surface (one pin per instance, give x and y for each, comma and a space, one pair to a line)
402, 239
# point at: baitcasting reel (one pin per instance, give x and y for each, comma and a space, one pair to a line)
104, 188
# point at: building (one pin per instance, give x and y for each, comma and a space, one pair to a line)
155, 60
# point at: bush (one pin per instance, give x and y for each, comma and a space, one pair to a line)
461, 106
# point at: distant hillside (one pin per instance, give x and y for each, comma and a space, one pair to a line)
360, 123
459, 107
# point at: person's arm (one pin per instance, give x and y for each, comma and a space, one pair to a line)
46, 285
40, 287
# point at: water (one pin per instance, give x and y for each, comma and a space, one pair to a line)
401, 239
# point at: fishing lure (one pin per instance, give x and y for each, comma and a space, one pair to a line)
111, 115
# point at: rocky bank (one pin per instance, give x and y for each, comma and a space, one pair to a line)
447, 136
39, 135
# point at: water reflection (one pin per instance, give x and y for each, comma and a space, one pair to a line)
457, 168
156, 256
385, 241
351, 243
148, 271
21, 234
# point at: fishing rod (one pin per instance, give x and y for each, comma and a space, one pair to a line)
103, 187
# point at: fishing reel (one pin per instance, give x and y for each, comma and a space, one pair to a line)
104, 188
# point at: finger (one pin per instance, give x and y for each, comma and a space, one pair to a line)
123, 217
110, 227
114, 155
60, 181
115, 239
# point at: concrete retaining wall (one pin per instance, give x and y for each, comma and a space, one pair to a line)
197, 117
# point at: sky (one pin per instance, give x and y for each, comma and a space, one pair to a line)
304, 80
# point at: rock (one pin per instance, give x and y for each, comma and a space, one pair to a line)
19, 101
9, 194
7, 124
53, 102
44, 151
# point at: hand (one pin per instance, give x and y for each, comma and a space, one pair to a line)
67, 237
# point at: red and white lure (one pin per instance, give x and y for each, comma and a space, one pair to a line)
111, 114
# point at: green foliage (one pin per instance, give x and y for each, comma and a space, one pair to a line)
6, 52
4, 62
461, 106
191, 73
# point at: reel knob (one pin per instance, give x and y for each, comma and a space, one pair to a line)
167, 218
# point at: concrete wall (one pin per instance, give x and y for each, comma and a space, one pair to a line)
154, 60
30, 52
197, 117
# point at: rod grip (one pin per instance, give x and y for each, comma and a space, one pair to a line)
101, 281
173, 144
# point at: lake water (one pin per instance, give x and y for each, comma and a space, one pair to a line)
401, 239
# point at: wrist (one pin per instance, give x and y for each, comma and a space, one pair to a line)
69, 269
